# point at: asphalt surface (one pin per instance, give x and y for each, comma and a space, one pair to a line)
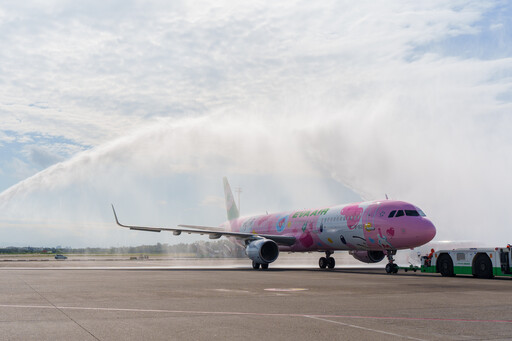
205, 303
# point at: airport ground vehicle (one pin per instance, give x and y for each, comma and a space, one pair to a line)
60, 257
479, 262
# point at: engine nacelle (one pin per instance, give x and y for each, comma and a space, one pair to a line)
368, 256
262, 251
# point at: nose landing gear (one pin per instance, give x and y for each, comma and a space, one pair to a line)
327, 261
391, 267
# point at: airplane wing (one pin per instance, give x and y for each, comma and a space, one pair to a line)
213, 232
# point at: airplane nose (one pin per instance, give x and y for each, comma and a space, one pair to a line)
416, 232
420, 233
428, 231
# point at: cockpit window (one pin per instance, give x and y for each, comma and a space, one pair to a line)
399, 213
421, 212
412, 213
391, 214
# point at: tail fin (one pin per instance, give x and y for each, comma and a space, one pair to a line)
231, 208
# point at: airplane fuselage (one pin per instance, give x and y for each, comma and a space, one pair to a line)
359, 226
369, 230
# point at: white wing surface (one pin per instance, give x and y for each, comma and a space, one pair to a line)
212, 232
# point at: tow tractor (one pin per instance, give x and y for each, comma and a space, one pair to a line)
479, 262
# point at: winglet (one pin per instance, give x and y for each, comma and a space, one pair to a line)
115, 215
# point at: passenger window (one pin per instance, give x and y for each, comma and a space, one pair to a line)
412, 213
391, 214
399, 213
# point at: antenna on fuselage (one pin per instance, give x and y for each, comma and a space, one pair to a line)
387, 197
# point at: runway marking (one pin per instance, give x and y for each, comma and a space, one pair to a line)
286, 289
61, 311
178, 267
363, 328
192, 267
233, 291
254, 313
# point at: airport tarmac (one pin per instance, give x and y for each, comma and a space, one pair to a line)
126, 301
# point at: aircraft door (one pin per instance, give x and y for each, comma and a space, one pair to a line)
369, 226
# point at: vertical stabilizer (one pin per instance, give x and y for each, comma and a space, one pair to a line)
231, 208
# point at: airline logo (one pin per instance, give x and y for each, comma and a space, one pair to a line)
300, 214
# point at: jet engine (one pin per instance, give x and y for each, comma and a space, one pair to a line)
368, 256
262, 251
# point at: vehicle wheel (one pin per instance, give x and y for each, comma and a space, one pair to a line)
482, 266
322, 262
264, 266
445, 265
394, 267
331, 263
255, 265
389, 268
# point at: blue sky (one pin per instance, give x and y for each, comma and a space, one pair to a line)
148, 105
23, 155
490, 39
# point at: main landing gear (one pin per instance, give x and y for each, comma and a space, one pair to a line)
256, 266
327, 261
391, 267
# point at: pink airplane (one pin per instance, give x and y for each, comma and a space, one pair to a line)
369, 230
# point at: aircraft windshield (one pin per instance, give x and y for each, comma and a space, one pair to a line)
421, 212
412, 213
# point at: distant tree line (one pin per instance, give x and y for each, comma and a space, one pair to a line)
208, 249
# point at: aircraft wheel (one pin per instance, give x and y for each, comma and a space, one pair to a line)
255, 265
331, 263
322, 262
388, 268
395, 268
264, 266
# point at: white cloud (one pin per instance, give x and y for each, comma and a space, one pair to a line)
42, 157
213, 200
101, 75
496, 26
19, 168
357, 93
6, 138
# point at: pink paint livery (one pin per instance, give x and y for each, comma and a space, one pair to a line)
369, 230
